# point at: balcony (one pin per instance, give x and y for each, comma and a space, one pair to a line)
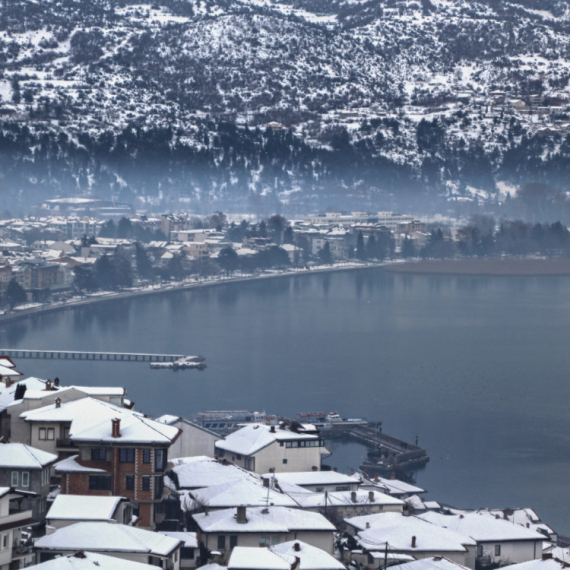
65, 442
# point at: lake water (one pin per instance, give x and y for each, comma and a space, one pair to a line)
476, 367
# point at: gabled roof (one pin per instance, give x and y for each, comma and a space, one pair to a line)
433, 563
201, 471
303, 478
23, 456
91, 421
345, 498
190, 539
482, 528
84, 508
7, 393
105, 537
245, 492
251, 558
91, 561
312, 558
276, 519
254, 437
397, 530
540, 564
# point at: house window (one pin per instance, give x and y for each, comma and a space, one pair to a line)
146, 455
146, 483
187, 554
233, 540
50, 434
497, 550
284, 462
159, 459
15, 476
319, 489
342, 488
130, 482
221, 542
479, 550
127, 455
25, 478
4, 541
99, 482
158, 487
42, 435
98, 454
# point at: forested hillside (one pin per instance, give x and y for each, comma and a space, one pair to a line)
308, 104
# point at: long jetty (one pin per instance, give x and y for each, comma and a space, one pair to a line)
81, 355
398, 455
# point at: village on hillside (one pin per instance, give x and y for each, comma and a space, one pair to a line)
87, 480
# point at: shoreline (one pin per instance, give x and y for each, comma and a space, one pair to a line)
173, 288
493, 267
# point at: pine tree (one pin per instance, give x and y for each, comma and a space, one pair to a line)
325, 254
360, 253
15, 294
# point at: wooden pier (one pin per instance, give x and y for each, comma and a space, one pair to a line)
81, 355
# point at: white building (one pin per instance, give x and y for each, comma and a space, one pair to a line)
224, 530
410, 536
318, 481
261, 448
194, 440
117, 540
499, 542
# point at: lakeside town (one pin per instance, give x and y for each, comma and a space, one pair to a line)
88, 480
79, 250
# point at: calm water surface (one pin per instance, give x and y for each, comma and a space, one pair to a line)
476, 367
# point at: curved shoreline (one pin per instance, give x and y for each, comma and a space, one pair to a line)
496, 267
182, 286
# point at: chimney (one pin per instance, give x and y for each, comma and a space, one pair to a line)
48, 384
367, 524
335, 469
393, 475
376, 478
547, 555
56, 381
272, 429
351, 471
116, 427
79, 554
241, 515
58, 402
297, 547
413, 541
371, 496
281, 425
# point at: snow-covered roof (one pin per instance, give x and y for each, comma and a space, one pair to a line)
245, 492
433, 563
24, 456
84, 508
397, 530
351, 498
275, 519
70, 465
201, 471
7, 392
88, 390
303, 478
312, 558
9, 371
394, 486
251, 558
91, 421
7, 362
91, 561
482, 528
540, 564
250, 439
190, 539
105, 537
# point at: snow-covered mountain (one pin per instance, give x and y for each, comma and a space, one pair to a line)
368, 97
